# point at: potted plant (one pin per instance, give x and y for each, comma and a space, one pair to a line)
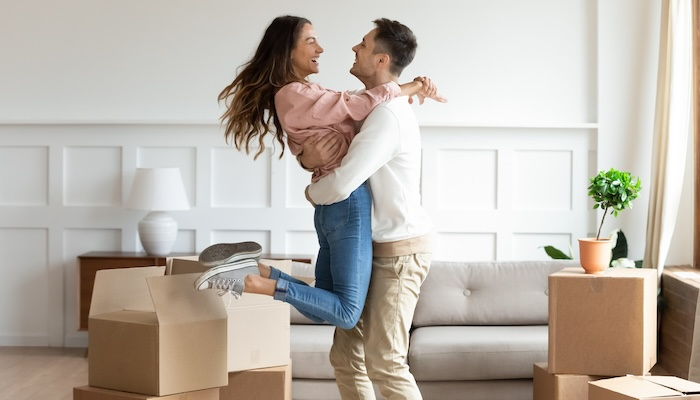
618, 241
611, 191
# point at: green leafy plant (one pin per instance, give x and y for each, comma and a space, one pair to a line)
557, 254
613, 190
619, 252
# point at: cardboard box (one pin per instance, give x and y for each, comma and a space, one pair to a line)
546, 386
274, 383
93, 393
258, 325
643, 388
171, 341
602, 324
679, 329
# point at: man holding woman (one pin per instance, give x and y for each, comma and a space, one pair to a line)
387, 151
400, 226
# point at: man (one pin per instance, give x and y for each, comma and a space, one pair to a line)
387, 151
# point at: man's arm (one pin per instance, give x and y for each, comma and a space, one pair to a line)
375, 144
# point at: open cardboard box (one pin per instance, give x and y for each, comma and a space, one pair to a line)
643, 388
154, 334
602, 324
258, 325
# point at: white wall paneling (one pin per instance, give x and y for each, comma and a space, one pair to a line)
62, 193
499, 193
493, 192
25, 285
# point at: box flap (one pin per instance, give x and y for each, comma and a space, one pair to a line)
128, 316
635, 387
122, 289
176, 300
183, 265
675, 383
577, 272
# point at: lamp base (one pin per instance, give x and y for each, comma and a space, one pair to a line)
158, 232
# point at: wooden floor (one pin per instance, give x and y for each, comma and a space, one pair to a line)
51, 373
41, 373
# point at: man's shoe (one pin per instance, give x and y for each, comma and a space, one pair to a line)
227, 277
228, 253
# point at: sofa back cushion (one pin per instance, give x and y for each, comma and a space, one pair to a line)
486, 293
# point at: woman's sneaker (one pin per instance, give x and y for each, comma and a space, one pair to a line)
227, 277
227, 253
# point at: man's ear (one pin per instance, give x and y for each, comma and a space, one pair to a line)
383, 60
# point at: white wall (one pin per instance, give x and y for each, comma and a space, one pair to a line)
543, 93
500, 61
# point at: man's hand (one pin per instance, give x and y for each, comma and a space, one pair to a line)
318, 152
429, 90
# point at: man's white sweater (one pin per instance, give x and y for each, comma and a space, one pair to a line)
387, 151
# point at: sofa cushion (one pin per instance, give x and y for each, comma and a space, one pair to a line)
310, 346
455, 353
487, 293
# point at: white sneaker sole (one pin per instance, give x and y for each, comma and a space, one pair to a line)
227, 253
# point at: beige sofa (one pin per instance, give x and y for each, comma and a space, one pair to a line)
478, 329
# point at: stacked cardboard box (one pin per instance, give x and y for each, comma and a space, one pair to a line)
679, 331
152, 336
258, 355
548, 386
600, 325
644, 388
93, 393
273, 383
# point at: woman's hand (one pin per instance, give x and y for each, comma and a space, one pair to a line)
428, 90
317, 152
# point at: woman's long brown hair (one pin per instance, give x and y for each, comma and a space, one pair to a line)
250, 98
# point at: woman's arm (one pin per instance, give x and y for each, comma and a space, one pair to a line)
422, 87
304, 105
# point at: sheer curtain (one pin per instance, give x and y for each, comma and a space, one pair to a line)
671, 128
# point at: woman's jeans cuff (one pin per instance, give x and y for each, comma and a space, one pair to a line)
275, 273
281, 287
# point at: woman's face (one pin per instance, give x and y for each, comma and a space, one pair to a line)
306, 52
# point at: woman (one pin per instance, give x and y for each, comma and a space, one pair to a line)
272, 90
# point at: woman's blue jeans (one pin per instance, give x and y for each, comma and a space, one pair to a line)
343, 266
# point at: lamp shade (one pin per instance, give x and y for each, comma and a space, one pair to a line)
158, 189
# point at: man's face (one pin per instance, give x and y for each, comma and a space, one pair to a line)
306, 52
365, 59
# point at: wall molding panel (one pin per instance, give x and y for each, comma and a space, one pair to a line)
494, 192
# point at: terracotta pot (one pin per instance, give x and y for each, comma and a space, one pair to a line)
595, 254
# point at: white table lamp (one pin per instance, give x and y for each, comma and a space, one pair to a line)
158, 190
